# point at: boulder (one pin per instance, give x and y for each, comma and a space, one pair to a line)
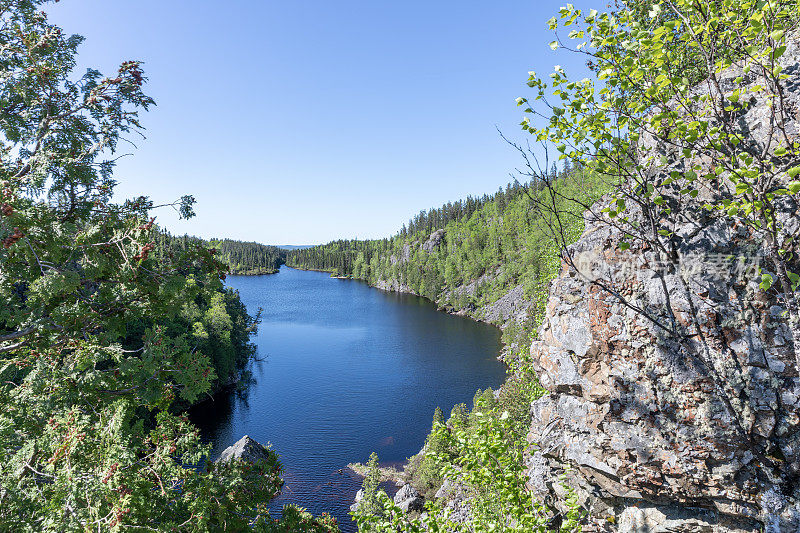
357, 501
408, 499
247, 450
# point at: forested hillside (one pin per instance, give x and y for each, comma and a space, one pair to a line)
489, 258
245, 258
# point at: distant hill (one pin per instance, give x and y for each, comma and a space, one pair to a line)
295, 246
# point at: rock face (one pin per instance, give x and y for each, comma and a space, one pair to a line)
658, 435
246, 449
457, 500
408, 499
433, 241
511, 307
393, 286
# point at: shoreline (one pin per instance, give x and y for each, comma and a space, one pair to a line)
259, 273
323, 270
400, 475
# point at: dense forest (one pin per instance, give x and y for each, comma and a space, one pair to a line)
244, 258
466, 257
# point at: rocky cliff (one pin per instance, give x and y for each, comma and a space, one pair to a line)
658, 435
512, 307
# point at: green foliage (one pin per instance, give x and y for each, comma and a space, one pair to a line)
459, 415
438, 417
645, 100
486, 460
103, 334
298, 520
243, 258
371, 503
425, 468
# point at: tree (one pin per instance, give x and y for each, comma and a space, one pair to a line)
93, 357
370, 503
438, 417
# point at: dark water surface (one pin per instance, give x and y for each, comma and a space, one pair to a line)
347, 370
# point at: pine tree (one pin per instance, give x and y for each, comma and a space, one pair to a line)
370, 503
438, 417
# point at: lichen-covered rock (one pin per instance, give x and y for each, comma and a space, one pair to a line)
657, 434
457, 500
393, 286
512, 307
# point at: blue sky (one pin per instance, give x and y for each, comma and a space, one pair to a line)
299, 122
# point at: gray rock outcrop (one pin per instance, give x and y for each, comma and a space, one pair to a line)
457, 500
433, 241
393, 286
509, 308
660, 434
408, 499
246, 449
357, 500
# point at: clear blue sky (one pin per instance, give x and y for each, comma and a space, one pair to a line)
299, 122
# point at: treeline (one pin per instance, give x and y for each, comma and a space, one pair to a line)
338, 257
245, 258
437, 218
458, 261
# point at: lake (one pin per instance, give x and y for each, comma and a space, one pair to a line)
345, 370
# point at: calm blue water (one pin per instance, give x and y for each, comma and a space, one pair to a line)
346, 370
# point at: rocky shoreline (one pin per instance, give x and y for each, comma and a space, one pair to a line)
509, 309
